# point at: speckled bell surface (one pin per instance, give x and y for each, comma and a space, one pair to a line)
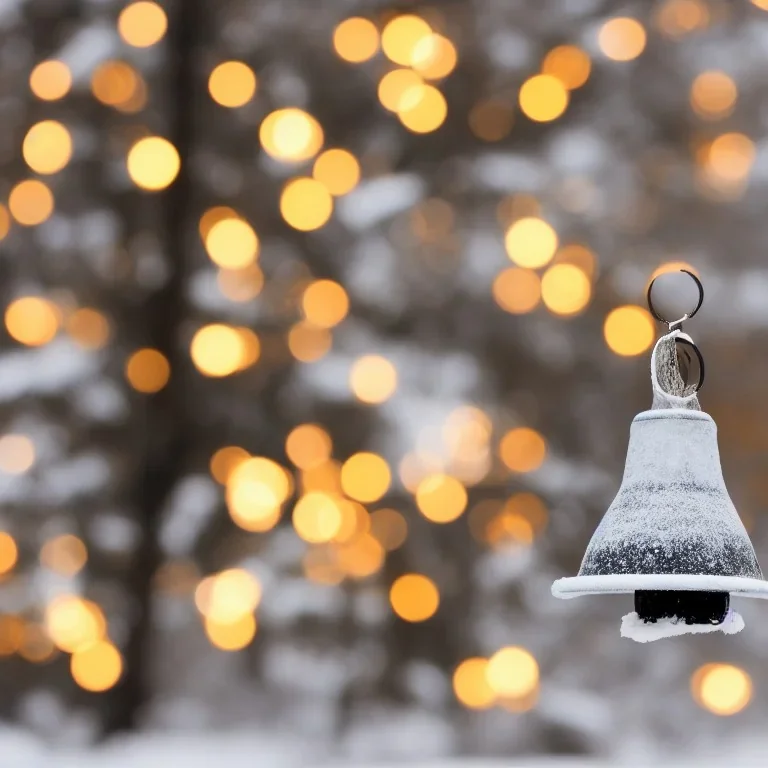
672, 535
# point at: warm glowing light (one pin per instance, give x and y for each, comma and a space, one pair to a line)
213, 216
512, 672
373, 379
723, 689
528, 506
98, 667
9, 553
672, 266
32, 320
17, 454
231, 243
251, 347
88, 328
622, 39
518, 206
118, 85
306, 204
470, 684
565, 289
355, 521
147, 370
138, 98
432, 220
441, 498
36, 646
389, 528
365, 477
522, 449
65, 555
579, 256
324, 477
291, 135
240, 285
414, 597
713, 95
337, 170
218, 350
325, 303
31, 202
47, 147
356, 39
491, 120
142, 23
543, 98
308, 446
153, 163
401, 37
11, 634
320, 564
256, 490
233, 636
730, 157
399, 88
232, 84
361, 557
317, 517
517, 290
569, 64
679, 17
178, 578
227, 596
466, 434
74, 624
308, 342
530, 242
225, 461
5, 222
762, 4
434, 57
257, 516
425, 112
629, 330
509, 529
414, 467
50, 80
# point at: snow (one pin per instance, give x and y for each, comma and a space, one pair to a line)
53, 368
378, 200
244, 750
193, 502
646, 632
87, 48
505, 172
576, 586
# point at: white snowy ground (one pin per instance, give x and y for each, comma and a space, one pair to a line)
246, 750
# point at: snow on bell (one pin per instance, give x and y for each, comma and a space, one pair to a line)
672, 535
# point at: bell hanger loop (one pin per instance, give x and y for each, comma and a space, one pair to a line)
685, 343
675, 325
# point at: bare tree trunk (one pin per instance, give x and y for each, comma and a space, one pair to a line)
162, 419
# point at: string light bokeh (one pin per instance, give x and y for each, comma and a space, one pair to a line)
344, 315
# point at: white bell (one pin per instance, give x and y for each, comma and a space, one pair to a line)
672, 535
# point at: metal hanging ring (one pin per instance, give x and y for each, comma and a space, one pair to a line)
679, 340
676, 324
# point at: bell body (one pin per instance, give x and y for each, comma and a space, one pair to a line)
672, 525
672, 513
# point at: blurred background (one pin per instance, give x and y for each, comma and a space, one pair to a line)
324, 325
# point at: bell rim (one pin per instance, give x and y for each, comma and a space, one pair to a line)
578, 586
686, 414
